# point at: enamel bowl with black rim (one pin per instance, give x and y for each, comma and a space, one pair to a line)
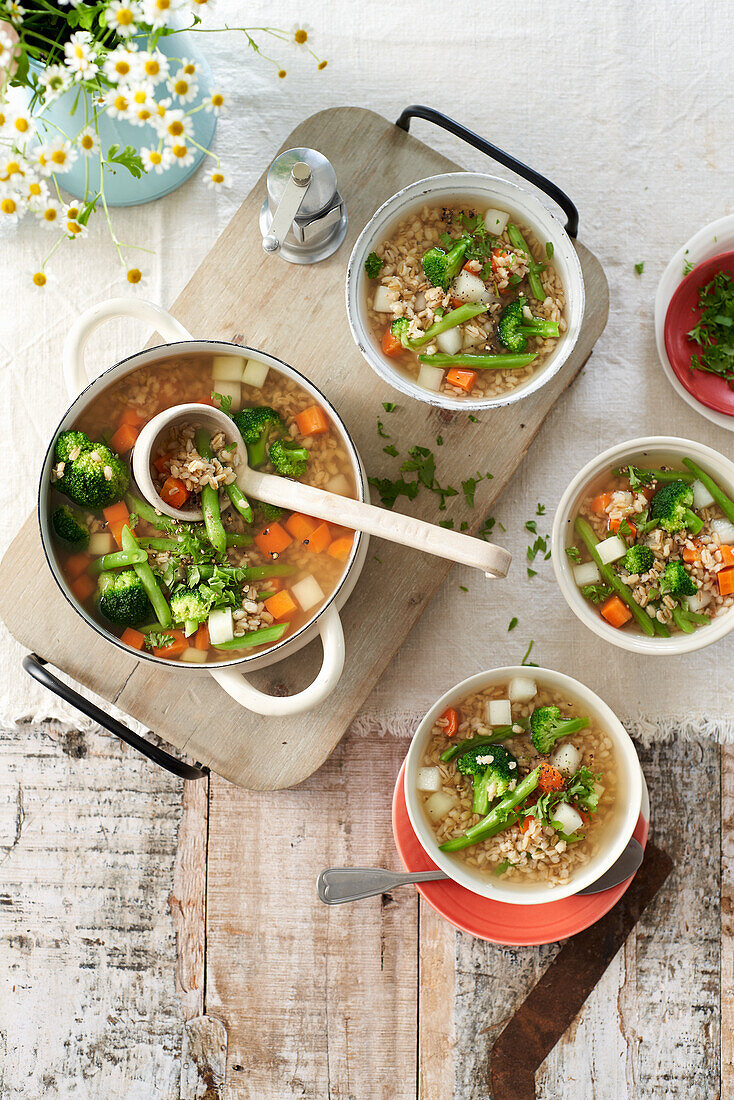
485, 192
323, 621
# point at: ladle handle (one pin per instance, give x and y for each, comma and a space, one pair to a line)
75, 373
393, 526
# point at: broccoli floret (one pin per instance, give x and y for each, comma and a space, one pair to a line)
72, 443
122, 598
288, 458
513, 327
191, 604
547, 724
256, 426
671, 507
677, 581
373, 265
269, 512
84, 479
70, 527
400, 328
441, 267
488, 765
638, 559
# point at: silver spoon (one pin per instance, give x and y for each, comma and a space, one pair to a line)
340, 884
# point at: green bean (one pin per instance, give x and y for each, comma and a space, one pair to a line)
159, 544
250, 572
693, 617
723, 501
660, 628
117, 560
498, 818
148, 513
657, 475
210, 498
479, 362
449, 320
240, 501
256, 637
150, 584
518, 241
607, 574
681, 622
501, 733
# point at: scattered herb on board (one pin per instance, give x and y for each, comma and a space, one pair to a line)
447, 523
463, 588
525, 660
639, 268
531, 525
513, 623
381, 430
389, 406
540, 510
470, 486
714, 332
531, 572
391, 450
474, 419
439, 441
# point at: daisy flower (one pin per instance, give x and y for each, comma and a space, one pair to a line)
15, 12
189, 67
34, 190
300, 33
50, 214
214, 102
71, 214
20, 124
39, 277
121, 63
88, 141
11, 208
174, 126
55, 156
141, 94
54, 79
80, 57
216, 179
153, 66
135, 276
156, 160
158, 12
117, 102
182, 154
122, 15
183, 86
12, 168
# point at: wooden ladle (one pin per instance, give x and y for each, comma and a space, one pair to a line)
493, 560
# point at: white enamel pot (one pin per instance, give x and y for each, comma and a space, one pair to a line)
325, 624
486, 191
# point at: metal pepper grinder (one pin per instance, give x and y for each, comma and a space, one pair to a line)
304, 218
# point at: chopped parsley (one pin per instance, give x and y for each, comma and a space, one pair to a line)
525, 660
470, 486
474, 419
158, 641
373, 265
639, 268
225, 401
597, 593
714, 331
389, 406
540, 510
549, 249
503, 866
381, 430
513, 623
463, 588
573, 553
531, 572
391, 450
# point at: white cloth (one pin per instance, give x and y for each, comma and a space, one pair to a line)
621, 104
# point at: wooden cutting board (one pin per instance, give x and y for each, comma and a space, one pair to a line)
297, 313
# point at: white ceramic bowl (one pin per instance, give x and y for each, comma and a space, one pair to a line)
647, 451
617, 835
489, 191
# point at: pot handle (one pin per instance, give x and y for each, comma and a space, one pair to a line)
332, 640
75, 373
36, 667
551, 189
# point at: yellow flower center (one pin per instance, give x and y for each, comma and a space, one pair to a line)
322, 64
8, 206
155, 157
73, 227
21, 125
13, 168
120, 103
152, 68
217, 177
176, 128
161, 109
79, 52
87, 141
39, 279
181, 87
122, 67
179, 151
143, 114
73, 212
300, 37
59, 156
3, 119
163, 5
124, 17
140, 95
49, 215
189, 69
34, 189
134, 275
281, 73
217, 100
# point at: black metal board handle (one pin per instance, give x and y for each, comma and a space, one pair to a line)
36, 667
551, 189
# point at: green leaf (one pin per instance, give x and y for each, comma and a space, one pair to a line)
639, 268
513, 623
127, 158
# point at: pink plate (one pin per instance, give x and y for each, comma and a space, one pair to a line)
497, 921
682, 315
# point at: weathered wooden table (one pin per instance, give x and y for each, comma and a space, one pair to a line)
132, 906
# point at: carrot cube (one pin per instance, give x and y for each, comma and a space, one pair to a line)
391, 345
162, 463
281, 604
273, 539
599, 503
174, 492
312, 421
124, 438
727, 554
726, 581
83, 587
692, 555
461, 378
202, 637
301, 526
615, 611
132, 417
615, 524
178, 645
319, 539
76, 565
133, 638
341, 548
